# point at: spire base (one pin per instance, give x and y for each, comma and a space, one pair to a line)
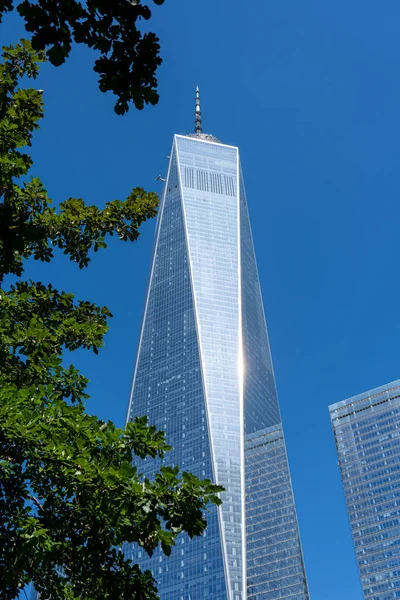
207, 137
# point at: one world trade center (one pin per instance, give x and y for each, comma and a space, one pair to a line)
204, 375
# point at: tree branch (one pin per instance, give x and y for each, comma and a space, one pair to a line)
36, 501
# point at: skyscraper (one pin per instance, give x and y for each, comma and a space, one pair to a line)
204, 375
367, 435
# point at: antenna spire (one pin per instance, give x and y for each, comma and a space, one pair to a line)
197, 113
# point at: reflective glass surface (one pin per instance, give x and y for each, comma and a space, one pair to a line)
367, 435
204, 375
211, 218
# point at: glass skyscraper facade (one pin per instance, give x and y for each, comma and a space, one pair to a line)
367, 435
204, 375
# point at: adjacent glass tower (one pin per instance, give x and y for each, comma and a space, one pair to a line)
367, 436
204, 375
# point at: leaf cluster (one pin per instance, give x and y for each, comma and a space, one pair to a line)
128, 57
29, 224
70, 497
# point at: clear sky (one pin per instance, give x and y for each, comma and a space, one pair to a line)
310, 92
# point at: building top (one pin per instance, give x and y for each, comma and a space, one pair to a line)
198, 126
370, 398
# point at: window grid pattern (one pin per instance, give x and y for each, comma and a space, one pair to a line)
367, 436
275, 566
190, 381
168, 388
212, 233
209, 181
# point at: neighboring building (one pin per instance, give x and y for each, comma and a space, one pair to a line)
204, 375
367, 436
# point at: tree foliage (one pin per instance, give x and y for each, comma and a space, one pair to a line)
127, 58
70, 495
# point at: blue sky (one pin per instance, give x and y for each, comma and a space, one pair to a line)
310, 92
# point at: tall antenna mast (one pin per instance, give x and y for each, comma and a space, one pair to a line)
197, 113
